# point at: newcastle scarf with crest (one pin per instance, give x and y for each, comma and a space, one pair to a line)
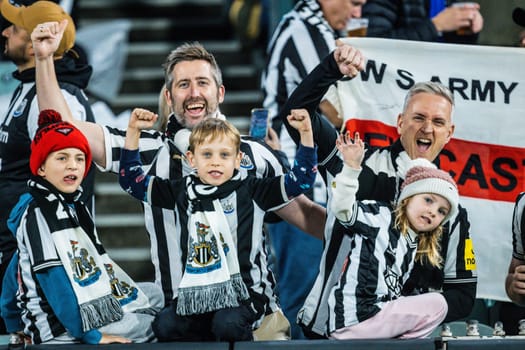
211, 279
103, 290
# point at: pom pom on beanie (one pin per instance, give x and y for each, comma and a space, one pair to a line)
52, 135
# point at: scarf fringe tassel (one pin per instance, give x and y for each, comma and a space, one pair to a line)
202, 299
100, 312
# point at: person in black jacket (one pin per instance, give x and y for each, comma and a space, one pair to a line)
18, 126
424, 20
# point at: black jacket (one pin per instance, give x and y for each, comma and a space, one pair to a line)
407, 20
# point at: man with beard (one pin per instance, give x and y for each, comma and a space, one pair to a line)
18, 126
194, 91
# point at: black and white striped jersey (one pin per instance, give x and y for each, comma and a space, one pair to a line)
378, 181
376, 268
302, 38
160, 157
518, 228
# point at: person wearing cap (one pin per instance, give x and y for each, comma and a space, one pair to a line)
18, 126
425, 126
367, 301
69, 289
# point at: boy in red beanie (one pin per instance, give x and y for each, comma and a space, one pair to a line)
67, 288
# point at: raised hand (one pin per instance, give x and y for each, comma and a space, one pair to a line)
516, 284
46, 38
352, 150
142, 119
349, 59
272, 139
453, 18
299, 119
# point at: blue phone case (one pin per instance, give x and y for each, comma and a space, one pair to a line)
259, 123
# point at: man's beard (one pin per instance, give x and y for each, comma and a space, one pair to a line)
18, 60
182, 121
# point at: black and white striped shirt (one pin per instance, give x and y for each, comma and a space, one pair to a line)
160, 157
302, 38
518, 228
379, 181
379, 262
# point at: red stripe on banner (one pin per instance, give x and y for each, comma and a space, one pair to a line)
481, 170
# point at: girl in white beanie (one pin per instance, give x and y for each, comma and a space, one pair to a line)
386, 240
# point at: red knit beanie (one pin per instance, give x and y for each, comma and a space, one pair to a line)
52, 135
424, 177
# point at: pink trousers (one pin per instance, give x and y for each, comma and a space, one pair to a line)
405, 318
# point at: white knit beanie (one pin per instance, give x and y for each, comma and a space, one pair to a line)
424, 177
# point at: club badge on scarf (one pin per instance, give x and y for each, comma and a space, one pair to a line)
212, 278
103, 290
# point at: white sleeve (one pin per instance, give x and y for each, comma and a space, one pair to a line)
344, 189
78, 111
332, 96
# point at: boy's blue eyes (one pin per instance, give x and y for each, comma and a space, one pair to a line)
209, 154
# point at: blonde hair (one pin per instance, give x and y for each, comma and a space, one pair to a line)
214, 128
164, 111
428, 246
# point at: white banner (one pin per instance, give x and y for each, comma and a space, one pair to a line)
487, 154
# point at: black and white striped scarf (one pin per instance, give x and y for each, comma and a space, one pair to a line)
103, 290
211, 279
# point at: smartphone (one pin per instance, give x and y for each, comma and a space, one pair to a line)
259, 123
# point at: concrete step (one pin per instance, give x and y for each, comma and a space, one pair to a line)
162, 20
153, 54
103, 9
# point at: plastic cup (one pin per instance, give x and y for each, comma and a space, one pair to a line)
464, 30
357, 27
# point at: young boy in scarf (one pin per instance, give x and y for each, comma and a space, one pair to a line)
67, 288
220, 222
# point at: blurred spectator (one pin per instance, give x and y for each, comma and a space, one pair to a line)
7, 82
518, 15
434, 20
512, 313
164, 110
250, 19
